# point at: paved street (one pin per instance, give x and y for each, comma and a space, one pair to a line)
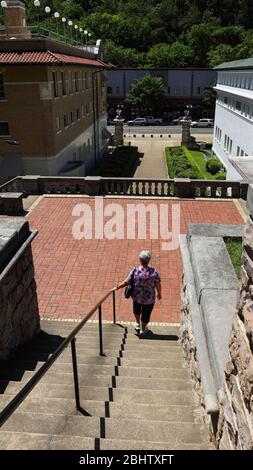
160, 130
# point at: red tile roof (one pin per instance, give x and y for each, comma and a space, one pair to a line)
47, 58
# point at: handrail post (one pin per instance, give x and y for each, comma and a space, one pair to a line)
100, 330
114, 307
75, 372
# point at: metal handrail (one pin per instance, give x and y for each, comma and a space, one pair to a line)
26, 390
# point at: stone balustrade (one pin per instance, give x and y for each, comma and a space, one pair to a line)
92, 186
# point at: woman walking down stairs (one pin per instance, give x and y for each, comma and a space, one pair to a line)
137, 396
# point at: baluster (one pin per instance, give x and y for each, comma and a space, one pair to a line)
143, 188
137, 188
224, 191
156, 188
202, 190
150, 193
213, 190
131, 189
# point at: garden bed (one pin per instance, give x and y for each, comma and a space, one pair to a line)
234, 247
185, 163
120, 163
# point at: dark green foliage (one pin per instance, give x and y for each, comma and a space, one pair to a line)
179, 164
118, 164
234, 247
161, 33
221, 176
213, 166
147, 93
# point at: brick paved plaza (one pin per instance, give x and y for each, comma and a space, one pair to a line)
73, 275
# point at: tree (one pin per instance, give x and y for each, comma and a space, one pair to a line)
209, 98
123, 57
170, 55
222, 53
147, 93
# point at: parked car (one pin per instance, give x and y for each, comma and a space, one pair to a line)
177, 121
202, 123
110, 122
137, 122
152, 121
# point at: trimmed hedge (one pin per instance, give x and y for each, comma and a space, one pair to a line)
213, 166
118, 164
181, 164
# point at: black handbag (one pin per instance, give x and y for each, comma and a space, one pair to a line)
129, 289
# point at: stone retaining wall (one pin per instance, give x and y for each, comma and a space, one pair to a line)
19, 314
235, 427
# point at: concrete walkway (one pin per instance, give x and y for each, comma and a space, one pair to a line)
72, 275
152, 164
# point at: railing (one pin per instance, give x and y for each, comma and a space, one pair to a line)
71, 339
97, 186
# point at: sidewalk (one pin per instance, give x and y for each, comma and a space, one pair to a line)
153, 164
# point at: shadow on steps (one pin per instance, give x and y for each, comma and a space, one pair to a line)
27, 357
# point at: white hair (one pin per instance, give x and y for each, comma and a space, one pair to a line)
145, 256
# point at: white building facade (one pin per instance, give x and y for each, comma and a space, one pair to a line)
233, 127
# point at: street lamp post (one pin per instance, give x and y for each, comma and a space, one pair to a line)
76, 29
70, 23
57, 16
4, 5
85, 34
64, 25
81, 31
37, 5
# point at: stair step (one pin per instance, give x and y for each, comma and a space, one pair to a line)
119, 444
83, 352
153, 384
152, 396
108, 359
155, 372
16, 374
82, 426
53, 377
50, 344
152, 412
67, 406
65, 358
147, 354
102, 393
151, 363
58, 391
145, 430
29, 441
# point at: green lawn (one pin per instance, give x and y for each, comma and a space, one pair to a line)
234, 247
200, 161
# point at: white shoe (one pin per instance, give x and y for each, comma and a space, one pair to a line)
137, 327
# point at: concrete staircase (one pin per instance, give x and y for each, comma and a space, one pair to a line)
139, 396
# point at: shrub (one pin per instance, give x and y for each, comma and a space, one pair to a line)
169, 161
221, 176
119, 163
213, 166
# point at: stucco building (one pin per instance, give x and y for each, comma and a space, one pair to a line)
52, 105
233, 128
182, 86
